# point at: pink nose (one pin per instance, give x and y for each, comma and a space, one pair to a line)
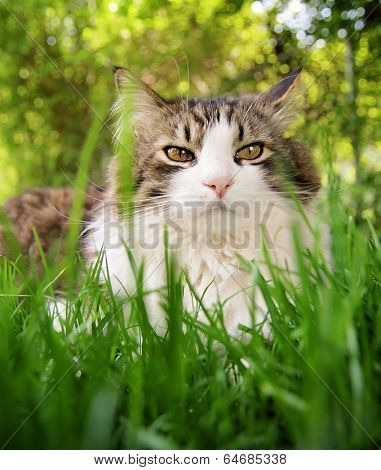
218, 184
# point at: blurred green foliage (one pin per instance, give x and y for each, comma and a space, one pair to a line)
99, 384
56, 59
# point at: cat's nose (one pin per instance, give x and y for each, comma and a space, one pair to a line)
219, 184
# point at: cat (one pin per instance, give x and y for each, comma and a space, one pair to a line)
213, 176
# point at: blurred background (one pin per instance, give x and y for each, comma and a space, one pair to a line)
55, 76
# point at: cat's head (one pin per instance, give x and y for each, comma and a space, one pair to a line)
225, 149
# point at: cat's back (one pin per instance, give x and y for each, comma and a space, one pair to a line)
47, 210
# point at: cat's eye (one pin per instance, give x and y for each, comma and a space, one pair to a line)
179, 154
250, 152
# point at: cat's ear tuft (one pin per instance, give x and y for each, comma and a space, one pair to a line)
125, 81
123, 77
137, 104
278, 93
118, 68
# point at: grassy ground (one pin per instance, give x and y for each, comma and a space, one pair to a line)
94, 385
316, 385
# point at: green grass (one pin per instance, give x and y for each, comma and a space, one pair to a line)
316, 385
95, 384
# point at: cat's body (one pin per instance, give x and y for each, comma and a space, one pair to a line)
213, 206
214, 269
48, 211
213, 175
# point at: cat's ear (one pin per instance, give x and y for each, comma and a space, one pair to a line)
277, 95
126, 83
137, 104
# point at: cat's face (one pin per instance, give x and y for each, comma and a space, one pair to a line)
218, 152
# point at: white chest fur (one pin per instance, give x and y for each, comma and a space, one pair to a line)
206, 245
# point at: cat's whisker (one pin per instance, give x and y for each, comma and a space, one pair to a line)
146, 211
152, 198
135, 200
64, 216
188, 76
92, 183
178, 75
86, 193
